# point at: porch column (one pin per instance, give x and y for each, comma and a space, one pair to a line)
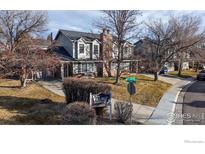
62, 71
137, 65
68, 73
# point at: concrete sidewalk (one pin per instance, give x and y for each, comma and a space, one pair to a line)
164, 111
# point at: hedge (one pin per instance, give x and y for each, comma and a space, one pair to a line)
76, 89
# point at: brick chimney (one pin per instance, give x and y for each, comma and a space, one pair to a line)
106, 49
106, 41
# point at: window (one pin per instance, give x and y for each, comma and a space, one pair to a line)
84, 67
88, 47
90, 67
81, 48
95, 49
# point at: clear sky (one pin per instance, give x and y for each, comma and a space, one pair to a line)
84, 20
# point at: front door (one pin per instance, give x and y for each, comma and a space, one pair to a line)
99, 67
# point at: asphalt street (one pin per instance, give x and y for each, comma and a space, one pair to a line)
194, 104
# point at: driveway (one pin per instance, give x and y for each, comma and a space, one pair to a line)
55, 86
194, 104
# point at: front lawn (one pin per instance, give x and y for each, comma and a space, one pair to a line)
148, 93
37, 105
31, 105
185, 73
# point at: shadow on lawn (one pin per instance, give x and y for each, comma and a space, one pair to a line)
145, 79
30, 111
10, 87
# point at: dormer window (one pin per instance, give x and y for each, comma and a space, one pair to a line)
81, 48
96, 49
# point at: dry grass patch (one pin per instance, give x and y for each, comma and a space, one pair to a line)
185, 73
148, 93
31, 105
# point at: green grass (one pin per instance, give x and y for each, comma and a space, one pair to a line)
31, 105
148, 92
185, 73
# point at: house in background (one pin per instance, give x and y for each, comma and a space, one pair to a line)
81, 52
141, 46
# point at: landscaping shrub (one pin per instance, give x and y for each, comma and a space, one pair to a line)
76, 89
78, 113
123, 111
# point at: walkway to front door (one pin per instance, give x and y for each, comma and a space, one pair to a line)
55, 86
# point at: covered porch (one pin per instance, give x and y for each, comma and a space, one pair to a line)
126, 66
71, 68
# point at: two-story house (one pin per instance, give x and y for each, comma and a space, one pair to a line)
81, 52
142, 46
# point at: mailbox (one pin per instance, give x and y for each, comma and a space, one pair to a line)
131, 79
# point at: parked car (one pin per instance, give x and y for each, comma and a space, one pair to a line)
201, 75
164, 70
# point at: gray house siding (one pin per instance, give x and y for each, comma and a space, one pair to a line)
90, 59
62, 40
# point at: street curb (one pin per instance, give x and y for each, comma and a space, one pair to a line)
164, 113
179, 104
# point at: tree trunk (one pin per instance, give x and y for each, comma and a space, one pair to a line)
23, 81
23, 77
197, 67
119, 56
109, 74
180, 67
155, 76
108, 69
117, 79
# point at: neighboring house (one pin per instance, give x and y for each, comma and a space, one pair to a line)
141, 46
43, 44
81, 52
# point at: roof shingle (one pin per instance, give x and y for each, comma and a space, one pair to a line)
74, 35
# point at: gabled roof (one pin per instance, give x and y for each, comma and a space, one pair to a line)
75, 35
62, 53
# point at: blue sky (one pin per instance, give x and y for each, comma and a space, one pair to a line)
72, 20
84, 20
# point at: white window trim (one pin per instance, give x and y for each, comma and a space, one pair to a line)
79, 48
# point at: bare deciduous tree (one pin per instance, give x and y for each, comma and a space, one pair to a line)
31, 59
158, 44
197, 54
20, 54
188, 35
164, 40
15, 25
123, 25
